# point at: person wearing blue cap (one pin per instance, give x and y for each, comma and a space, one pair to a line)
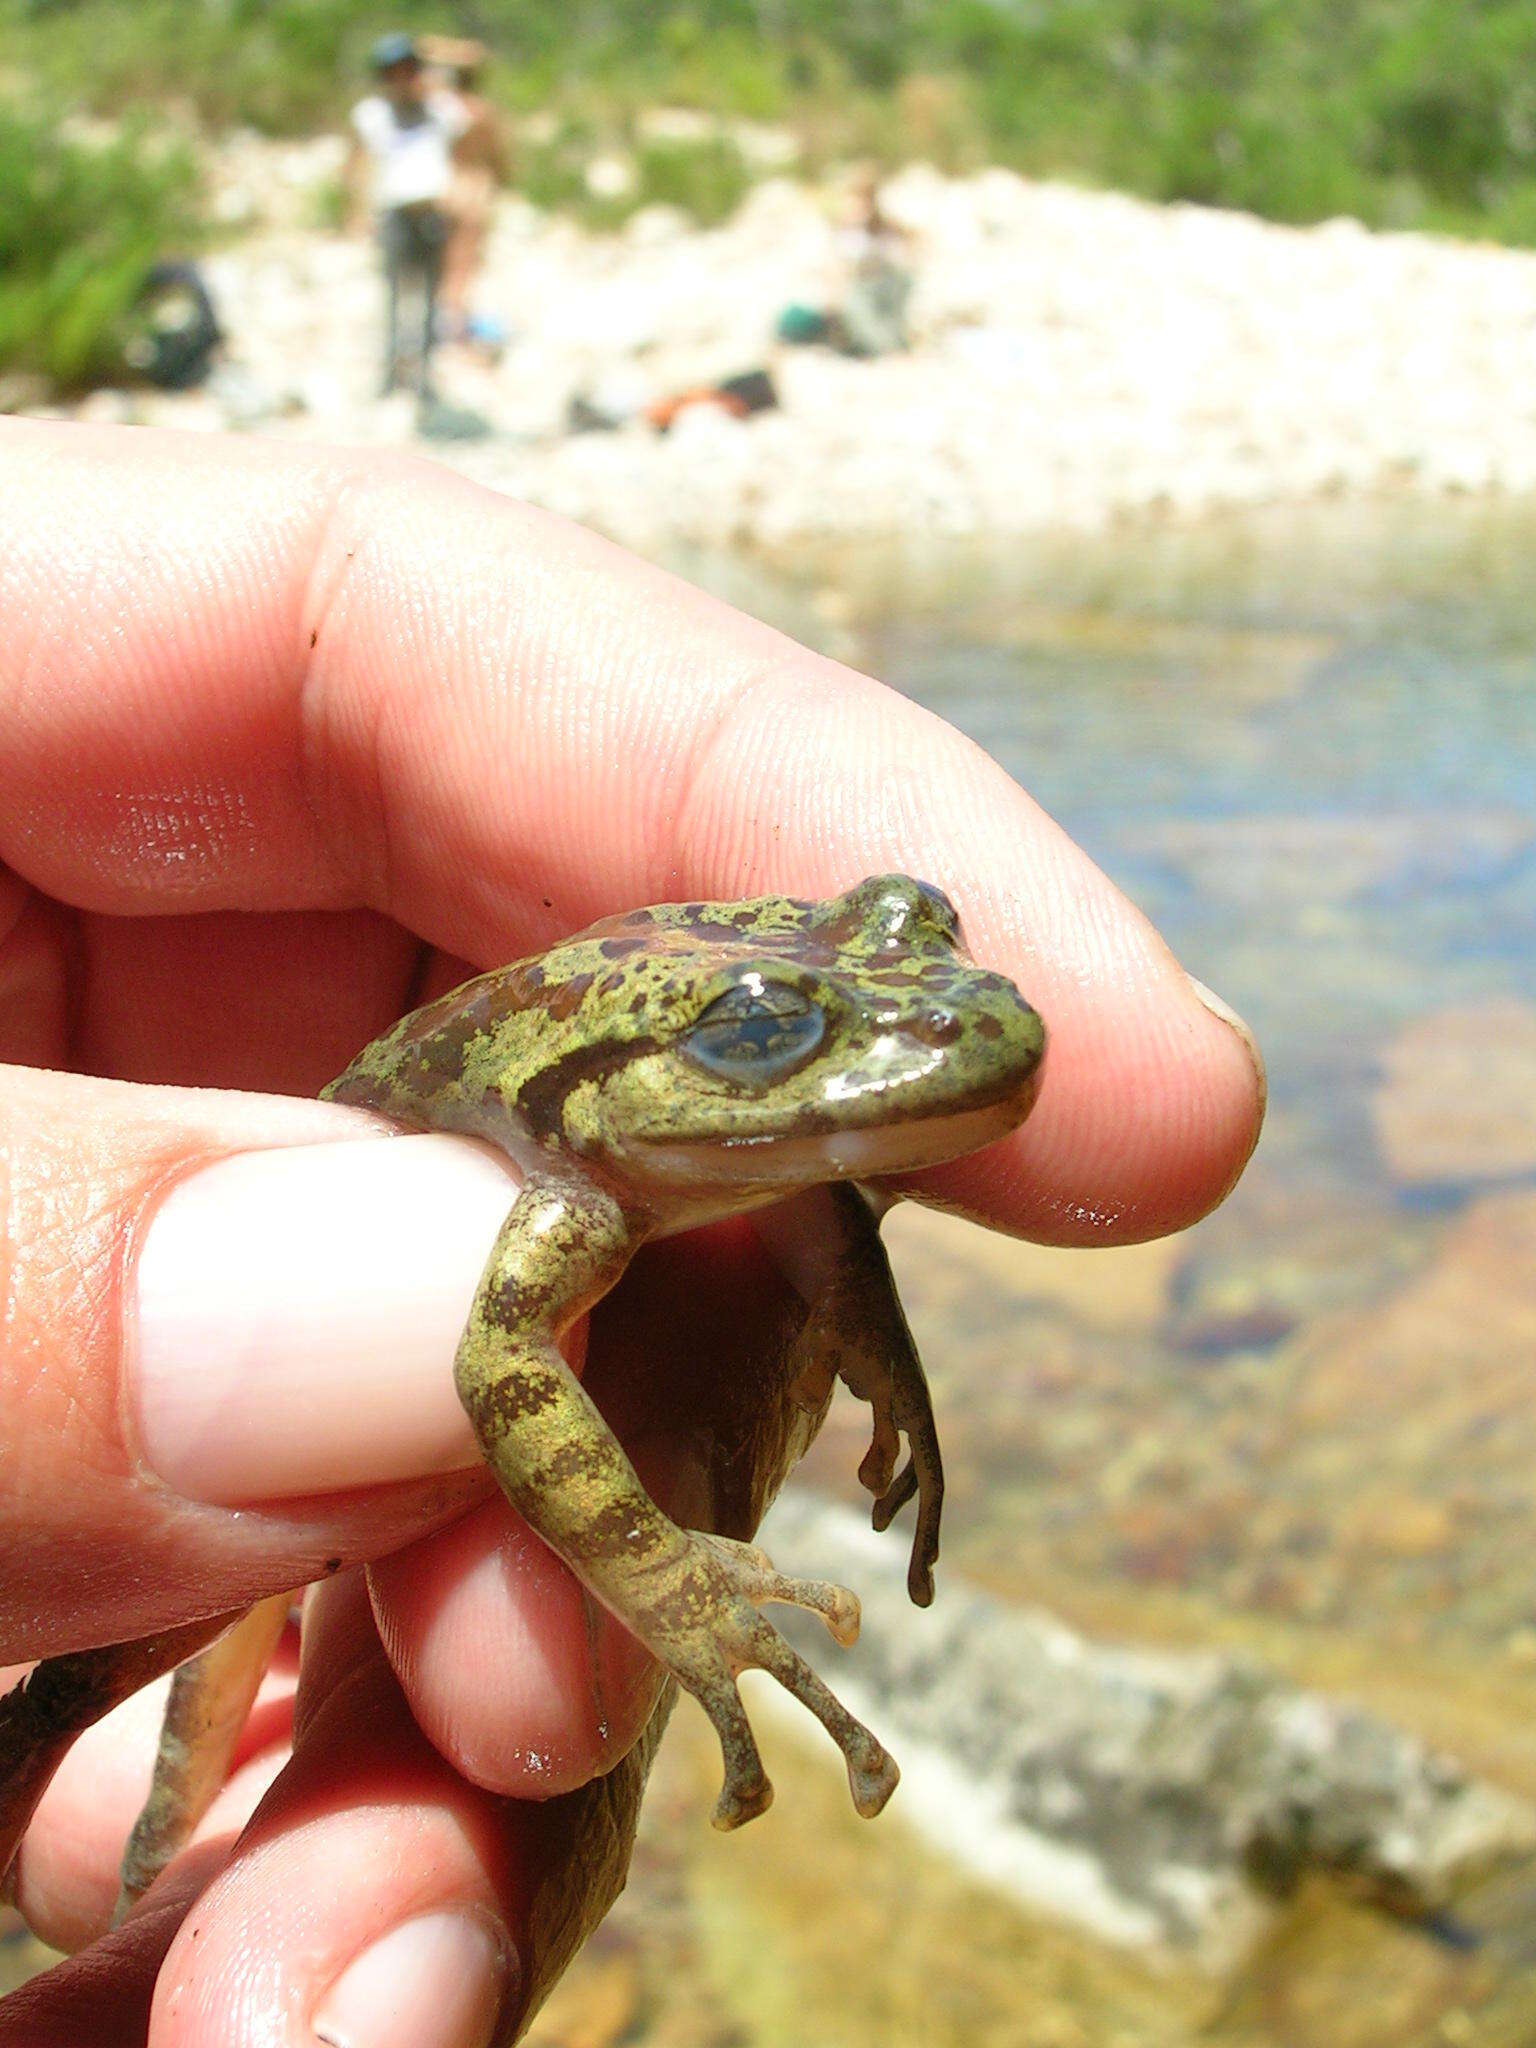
406, 131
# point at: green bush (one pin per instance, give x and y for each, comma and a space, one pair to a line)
81, 222
706, 179
553, 175
1405, 112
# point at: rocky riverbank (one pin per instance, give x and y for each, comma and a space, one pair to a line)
1078, 358
1157, 1799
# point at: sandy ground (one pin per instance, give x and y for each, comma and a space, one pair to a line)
1077, 357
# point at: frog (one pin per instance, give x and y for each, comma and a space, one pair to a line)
663, 1069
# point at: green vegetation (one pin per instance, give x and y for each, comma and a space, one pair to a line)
1403, 112
1400, 111
707, 178
81, 221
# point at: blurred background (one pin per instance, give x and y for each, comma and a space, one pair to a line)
1152, 391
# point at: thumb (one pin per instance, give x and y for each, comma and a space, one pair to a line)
221, 1317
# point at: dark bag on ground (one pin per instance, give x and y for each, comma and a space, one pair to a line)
173, 328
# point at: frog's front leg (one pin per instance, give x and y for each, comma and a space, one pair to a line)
690, 1598
828, 1243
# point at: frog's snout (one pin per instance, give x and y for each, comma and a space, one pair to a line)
980, 1044
1010, 1039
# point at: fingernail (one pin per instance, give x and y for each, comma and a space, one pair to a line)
1229, 1017
439, 1981
292, 1317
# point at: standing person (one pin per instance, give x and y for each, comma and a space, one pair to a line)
407, 132
480, 162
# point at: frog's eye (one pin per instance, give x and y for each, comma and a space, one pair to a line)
756, 1033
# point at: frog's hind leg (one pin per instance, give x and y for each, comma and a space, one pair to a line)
210, 1702
63, 1696
690, 1598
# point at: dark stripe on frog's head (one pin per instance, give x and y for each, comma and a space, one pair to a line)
542, 1097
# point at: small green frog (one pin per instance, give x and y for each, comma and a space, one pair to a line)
658, 1071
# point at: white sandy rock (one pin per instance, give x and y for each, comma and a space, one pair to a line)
1078, 356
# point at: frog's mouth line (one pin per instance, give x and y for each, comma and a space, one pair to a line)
800, 1156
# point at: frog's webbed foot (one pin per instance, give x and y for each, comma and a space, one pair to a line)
708, 1631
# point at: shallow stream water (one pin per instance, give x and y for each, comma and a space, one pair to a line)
1305, 1432
1303, 741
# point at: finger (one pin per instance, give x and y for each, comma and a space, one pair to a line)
142, 1401
279, 1002
512, 1671
460, 1902
105, 1994
718, 1314
238, 676
458, 1907
135, 998
35, 998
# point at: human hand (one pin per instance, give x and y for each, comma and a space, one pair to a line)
288, 740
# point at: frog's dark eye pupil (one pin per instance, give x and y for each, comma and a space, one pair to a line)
756, 1033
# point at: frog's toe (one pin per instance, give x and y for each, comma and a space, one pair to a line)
753, 1573
923, 1475
872, 1772
884, 1449
746, 1791
895, 1497
734, 1808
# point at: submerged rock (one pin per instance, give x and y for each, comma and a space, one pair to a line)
1442, 1112
1163, 1800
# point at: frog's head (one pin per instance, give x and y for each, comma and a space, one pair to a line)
782, 1043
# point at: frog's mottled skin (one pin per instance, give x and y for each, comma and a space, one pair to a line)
664, 1068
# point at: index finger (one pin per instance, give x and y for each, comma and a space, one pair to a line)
243, 675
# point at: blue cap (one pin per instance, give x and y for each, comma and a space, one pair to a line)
391, 50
